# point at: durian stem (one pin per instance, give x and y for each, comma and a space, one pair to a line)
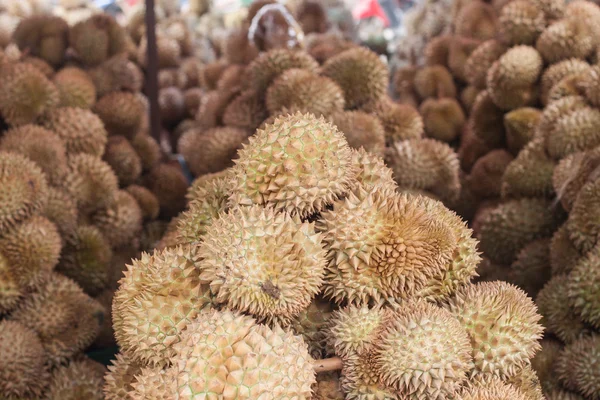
327, 364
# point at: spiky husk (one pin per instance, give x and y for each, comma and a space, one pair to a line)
584, 371
443, 119
480, 61
76, 88
169, 185
434, 81
120, 377
543, 364
486, 175
564, 39
43, 36
563, 253
582, 226
147, 149
245, 111
147, 201
530, 269
400, 121
521, 22
123, 159
557, 72
486, 120
520, 127
361, 130
584, 288
121, 113
81, 379
120, 222
97, 38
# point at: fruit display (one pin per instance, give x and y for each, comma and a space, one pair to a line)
310, 219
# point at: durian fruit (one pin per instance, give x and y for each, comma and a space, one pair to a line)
557, 72
563, 253
191, 100
543, 364
443, 259
41, 146
263, 70
530, 174
212, 150
85, 258
460, 49
212, 107
305, 170
491, 388
43, 36
81, 130
437, 50
208, 201
61, 209
512, 330
23, 373
476, 20
511, 78
123, 159
305, 91
249, 277
116, 74
572, 85
32, 248
443, 118
171, 104
169, 185
425, 164
559, 317
564, 39
507, 228
120, 377
91, 182
583, 230
527, 382
65, 318
481, 60
521, 22
97, 39
163, 287
169, 51
147, 149
81, 379
245, 111
26, 94
520, 127
404, 352
530, 269
10, 289
281, 366
434, 82
361, 75
147, 201
559, 394
472, 148
404, 86
372, 172
468, 96
572, 172
486, 175
361, 130
121, 113
121, 221
400, 121
583, 288
76, 88
583, 371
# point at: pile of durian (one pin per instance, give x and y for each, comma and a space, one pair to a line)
528, 156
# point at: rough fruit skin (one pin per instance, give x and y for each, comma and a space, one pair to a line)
169, 185
32, 248
434, 81
521, 22
245, 111
81, 130
26, 94
443, 119
508, 227
120, 377
298, 164
23, 189
559, 317
584, 372
503, 325
582, 226
520, 127
43, 36
381, 245
563, 253
400, 121
557, 72
41, 146
249, 276
584, 288
123, 159
361, 130
76, 88
121, 113
65, 318
121, 222
279, 368
23, 373
97, 38
147, 149
530, 269
486, 175
10, 290
425, 352
360, 74
81, 379
491, 389
146, 200
564, 39
480, 61
543, 364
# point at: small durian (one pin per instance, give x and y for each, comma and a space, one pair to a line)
249, 277
305, 91
572, 85
425, 164
97, 38
503, 325
400, 121
263, 70
123, 159
520, 125
116, 74
245, 111
372, 173
41, 146
491, 389
81, 379
121, 222
508, 227
26, 94
557, 72
328, 387
471, 148
65, 318
121, 113
559, 317
76, 88
437, 50
486, 175
434, 81
171, 104
10, 289
212, 107
32, 248
85, 258
361, 75
591, 83
192, 98
81, 130
481, 60
147, 149
90, 181
43, 36
531, 268
468, 96
476, 20
212, 150
563, 253
584, 288
23, 373
307, 168
404, 85
146, 200
361, 130
443, 118
521, 22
